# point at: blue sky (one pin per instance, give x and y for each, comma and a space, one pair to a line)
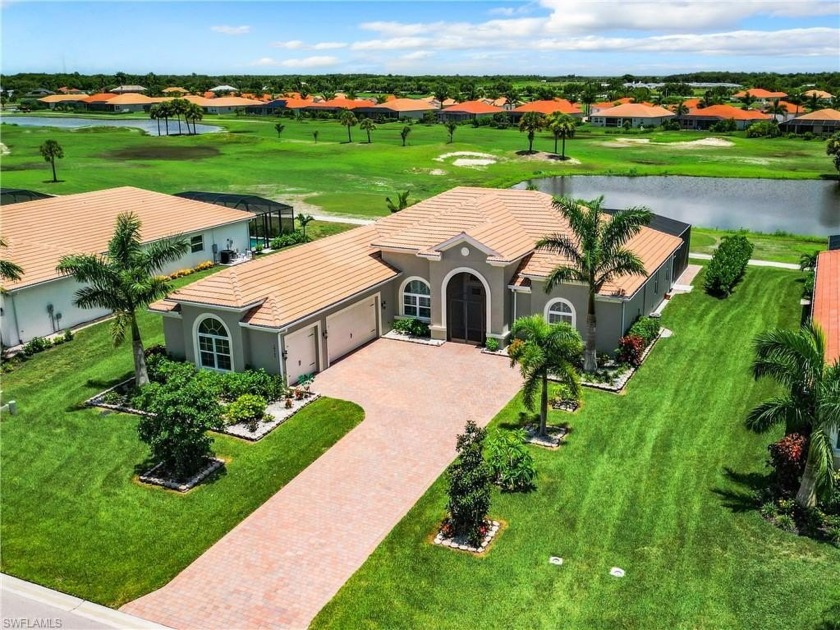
552, 37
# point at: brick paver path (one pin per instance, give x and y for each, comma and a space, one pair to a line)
284, 562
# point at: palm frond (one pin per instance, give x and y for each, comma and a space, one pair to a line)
779, 410
821, 459
86, 267
791, 357
119, 325
624, 225
126, 244
621, 262
97, 297
160, 253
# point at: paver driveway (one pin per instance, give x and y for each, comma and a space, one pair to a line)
284, 562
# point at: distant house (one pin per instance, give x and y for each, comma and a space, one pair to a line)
705, 117
38, 92
98, 101
398, 109
760, 94
558, 105
62, 99
821, 122
636, 114
175, 91
825, 311
468, 110
223, 89
595, 108
128, 89
337, 104
68, 90
40, 232
129, 102
226, 104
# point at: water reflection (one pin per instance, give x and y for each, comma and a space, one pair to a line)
149, 126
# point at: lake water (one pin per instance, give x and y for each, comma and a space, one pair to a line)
761, 205
149, 126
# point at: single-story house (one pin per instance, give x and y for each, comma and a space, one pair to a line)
820, 122
398, 109
98, 101
130, 102
39, 233
825, 311
760, 94
704, 117
594, 108
463, 261
226, 104
336, 105
547, 108
63, 99
635, 113
468, 110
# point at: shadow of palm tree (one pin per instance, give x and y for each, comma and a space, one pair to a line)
742, 497
831, 619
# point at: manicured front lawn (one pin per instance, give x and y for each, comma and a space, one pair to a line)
72, 516
786, 248
656, 481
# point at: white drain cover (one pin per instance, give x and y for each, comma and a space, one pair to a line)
555, 560
616, 572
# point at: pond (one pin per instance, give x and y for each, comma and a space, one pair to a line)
809, 207
149, 126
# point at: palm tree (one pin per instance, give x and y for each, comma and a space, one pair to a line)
814, 102
165, 111
179, 106
154, 114
595, 252
776, 108
451, 126
441, 93
368, 126
404, 133
811, 402
561, 126
51, 150
304, 220
681, 109
544, 349
8, 269
531, 122
124, 280
315, 136
193, 115
279, 127
348, 119
588, 97
402, 202
747, 99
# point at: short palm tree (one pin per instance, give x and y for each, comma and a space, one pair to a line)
811, 401
561, 126
166, 111
404, 133
531, 123
348, 119
51, 151
179, 107
368, 126
8, 269
595, 253
542, 350
304, 220
125, 279
451, 126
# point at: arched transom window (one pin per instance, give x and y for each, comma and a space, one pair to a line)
214, 345
417, 301
560, 310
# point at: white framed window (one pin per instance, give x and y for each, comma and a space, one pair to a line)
214, 345
560, 310
197, 243
417, 301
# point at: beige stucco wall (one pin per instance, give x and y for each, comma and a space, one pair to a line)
240, 346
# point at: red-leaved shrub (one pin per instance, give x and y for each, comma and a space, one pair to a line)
787, 457
630, 350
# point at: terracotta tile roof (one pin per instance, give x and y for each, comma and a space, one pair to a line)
825, 309
230, 101
284, 287
822, 114
507, 223
818, 94
760, 93
726, 112
131, 98
406, 105
40, 232
99, 97
62, 98
635, 110
473, 107
549, 107
341, 103
174, 90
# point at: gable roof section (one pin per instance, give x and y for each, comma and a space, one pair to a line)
726, 112
760, 93
549, 107
821, 114
289, 285
825, 309
40, 232
473, 107
635, 110
406, 105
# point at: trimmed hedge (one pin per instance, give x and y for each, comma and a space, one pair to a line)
645, 327
728, 265
411, 326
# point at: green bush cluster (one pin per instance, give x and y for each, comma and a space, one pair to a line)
492, 344
411, 326
287, 239
728, 264
470, 481
511, 465
647, 328
39, 344
248, 409
763, 129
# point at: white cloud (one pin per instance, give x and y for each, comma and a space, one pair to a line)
328, 45
290, 45
392, 43
231, 30
417, 55
305, 62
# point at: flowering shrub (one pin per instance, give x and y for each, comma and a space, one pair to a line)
630, 350
248, 408
787, 457
645, 327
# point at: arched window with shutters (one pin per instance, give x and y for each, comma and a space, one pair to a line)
416, 299
213, 344
560, 310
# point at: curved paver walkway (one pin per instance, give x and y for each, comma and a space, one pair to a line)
280, 566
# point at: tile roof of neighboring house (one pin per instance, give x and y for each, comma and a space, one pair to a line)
99, 97
726, 112
40, 232
68, 90
790, 108
818, 94
127, 89
341, 103
760, 93
406, 105
473, 107
291, 284
131, 98
549, 107
821, 114
175, 90
825, 309
230, 101
62, 98
635, 110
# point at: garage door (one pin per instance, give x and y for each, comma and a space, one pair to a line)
350, 328
301, 354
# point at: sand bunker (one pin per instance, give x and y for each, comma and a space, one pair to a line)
4, 150
468, 158
688, 144
473, 162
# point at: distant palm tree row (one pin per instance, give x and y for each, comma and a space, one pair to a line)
176, 108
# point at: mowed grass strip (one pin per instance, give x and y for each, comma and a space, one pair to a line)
781, 247
656, 481
74, 518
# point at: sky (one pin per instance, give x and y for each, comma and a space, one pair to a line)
544, 37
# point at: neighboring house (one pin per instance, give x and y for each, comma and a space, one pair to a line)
821, 95
705, 117
635, 113
547, 108
129, 89
130, 102
175, 91
39, 233
760, 94
226, 104
399, 109
63, 99
825, 311
463, 261
468, 110
98, 101
820, 122
336, 105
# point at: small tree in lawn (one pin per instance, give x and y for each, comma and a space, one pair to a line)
451, 126
402, 202
367, 126
531, 123
404, 134
348, 119
279, 127
315, 136
51, 151
304, 220
176, 430
470, 481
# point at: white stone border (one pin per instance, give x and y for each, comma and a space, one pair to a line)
426, 341
94, 401
618, 384
460, 544
189, 484
279, 414
556, 436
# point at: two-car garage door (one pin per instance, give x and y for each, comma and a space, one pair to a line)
346, 330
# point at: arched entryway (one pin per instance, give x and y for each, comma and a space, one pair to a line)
466, 306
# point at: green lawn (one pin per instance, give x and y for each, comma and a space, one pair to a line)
74, 518
656, 481
786, 248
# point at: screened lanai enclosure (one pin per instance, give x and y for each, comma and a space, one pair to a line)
271, 218
9, 196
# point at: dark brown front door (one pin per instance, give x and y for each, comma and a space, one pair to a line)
466, 302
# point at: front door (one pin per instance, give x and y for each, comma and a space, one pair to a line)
466, 304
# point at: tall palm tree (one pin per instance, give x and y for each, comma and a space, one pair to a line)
51, 151
561, 126
348, 119
193, 114
368, 126
544, 349
125, 279
451, 126
179, 106
681, 109
595, 252
810, 404
776, 108
588, 97
8, 269
531, 123
747, 99
154, 114
166, 111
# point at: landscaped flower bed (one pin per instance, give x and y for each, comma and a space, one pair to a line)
275, 414
446, 538
157, 476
